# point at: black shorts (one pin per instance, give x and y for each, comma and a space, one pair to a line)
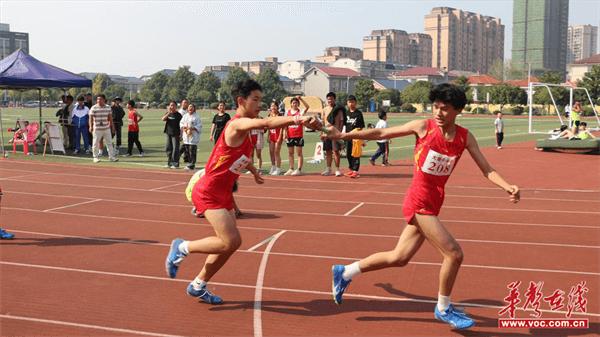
299, 142
575, 123
330, 145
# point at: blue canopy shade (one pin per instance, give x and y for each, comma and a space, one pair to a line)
22, 71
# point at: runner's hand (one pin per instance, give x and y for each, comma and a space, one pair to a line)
333, 133
515, 193
259, 179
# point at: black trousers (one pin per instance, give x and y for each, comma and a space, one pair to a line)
133, 137
189, 154
499, 138
353, 163
118, 133
172, 148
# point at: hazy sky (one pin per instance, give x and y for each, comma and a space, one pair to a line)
141, 37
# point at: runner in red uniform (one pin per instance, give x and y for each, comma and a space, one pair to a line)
213, 194
439, 145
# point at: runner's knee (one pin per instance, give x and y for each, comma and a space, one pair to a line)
455, 254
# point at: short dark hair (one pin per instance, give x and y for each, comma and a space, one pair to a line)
331, 94
583, 124
221, 102
244, 88
563, 127
381, 114
103, 96
131, 102
275, 102
80, 98
69, 97
172, 101
449, 93
294, 99
351, 98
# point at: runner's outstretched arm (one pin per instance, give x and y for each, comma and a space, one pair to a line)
415, 127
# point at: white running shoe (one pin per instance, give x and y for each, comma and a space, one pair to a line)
96, 160
272, 170
296, 172
289, 172
338, 173
327, 172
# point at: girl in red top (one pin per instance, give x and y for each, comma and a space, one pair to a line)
275, 141
294, 135
133, 129
212, 195
439, 145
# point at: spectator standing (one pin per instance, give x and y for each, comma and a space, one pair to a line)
133, 129
382, 144
275, 141
183, 107
294, 135
219, 121
101, 126
172, 131
499, 126
80, 123
191, 127
64, 119
354, 120
333, 115
117, 114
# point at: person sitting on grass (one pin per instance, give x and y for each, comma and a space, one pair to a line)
584, 133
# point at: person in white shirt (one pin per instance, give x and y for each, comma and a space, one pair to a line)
499, 126
183, 110
191, 127
382, 144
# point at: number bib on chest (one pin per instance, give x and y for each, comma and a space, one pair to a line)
438, 164
239, 165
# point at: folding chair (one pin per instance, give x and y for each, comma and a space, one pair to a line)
54, 138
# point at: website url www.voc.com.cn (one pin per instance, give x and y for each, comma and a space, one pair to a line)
513, 323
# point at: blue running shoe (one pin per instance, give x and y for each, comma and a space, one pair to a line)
458, 319
4, 235
174, 258
338, 284
204, 295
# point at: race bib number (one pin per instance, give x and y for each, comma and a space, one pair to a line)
438, 164
239, 165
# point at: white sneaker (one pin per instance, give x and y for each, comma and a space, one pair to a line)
296, 172
289, 172
272, 170
96, 160
114, 159
100, 154
499, 147
276, 172
327, 172
338, 173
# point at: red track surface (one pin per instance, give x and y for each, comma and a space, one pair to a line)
91, 242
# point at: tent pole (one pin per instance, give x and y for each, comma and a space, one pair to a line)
2, 136
40, 104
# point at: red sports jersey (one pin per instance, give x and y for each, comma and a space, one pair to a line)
274, 135
295, 131
132, 121
224, 166
435, 159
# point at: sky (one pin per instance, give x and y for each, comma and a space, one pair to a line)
135, 38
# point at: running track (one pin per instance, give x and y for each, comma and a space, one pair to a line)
91, 242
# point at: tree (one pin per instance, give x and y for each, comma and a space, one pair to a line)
364, 91
462, 82
417, 92
235, 76
497, 69
391, 95
153, 88
204, 88
179, 84
115, 90
507, 94
341, 98
271, 86
560, 95
100, 83
591, 81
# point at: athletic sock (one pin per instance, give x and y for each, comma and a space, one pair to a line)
198, 284
443, 302
184, 247
350, 271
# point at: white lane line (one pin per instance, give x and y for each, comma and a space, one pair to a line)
237, 285
253, 248
259, 285
160, 188
87, 326
72, 205
354, 209
318, 256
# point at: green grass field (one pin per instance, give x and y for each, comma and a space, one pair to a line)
152, 138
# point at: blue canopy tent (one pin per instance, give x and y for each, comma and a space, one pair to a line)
22, 71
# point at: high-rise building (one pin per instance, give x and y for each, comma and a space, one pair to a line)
582, 42
11, 41
540, 34
419, 49
388, 45
464, 40
334, 53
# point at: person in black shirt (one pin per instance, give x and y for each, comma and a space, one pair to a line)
117, 114
173, 133
354, 120
218, 123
